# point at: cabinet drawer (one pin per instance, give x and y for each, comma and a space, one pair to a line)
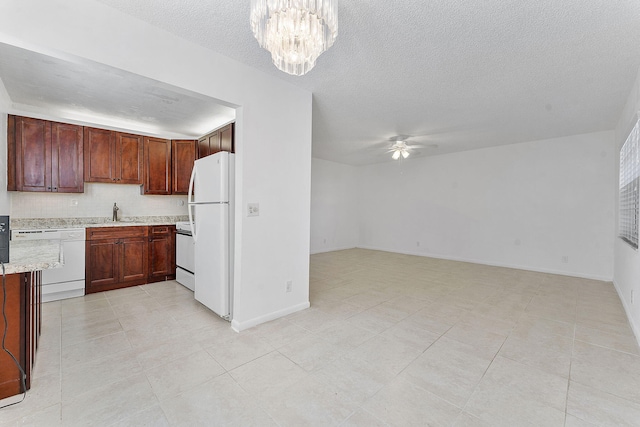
96, 233
156, 230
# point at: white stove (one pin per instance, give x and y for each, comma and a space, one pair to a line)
185, 256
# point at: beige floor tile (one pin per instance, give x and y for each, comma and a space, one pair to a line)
550, 353
428, 321
372, 321
75, 306
49, 417
390, 355
268, 374
402, 403
88, 317
148, 417
528, 325
80, 332
612, 340
449, 369
411, 334
161, 353
476, 335
109, 404
94, 349
238, 350
601, 408
44, 393
311, 352
609, 370
80, 378
572, 421
47, 362
344, 334
356, 381
307, 402
175, 377
362, 418
511, 391
311, 319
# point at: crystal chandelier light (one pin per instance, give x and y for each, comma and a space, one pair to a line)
296, 32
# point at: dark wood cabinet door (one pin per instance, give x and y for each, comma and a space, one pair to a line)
128, 158
203, 147
226, 138
67, 158
102, 264
33, 154
133, 259
99, 146
214, 143
162, 253
157, 170
11, 153
183, 154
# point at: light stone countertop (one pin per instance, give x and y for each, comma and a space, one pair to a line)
34, 255
86, 222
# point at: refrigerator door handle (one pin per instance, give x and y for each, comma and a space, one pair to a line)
191, 180
191, 223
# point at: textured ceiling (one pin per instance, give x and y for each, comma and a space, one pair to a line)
88, 92
455, 74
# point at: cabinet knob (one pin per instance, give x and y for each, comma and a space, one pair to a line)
48, 188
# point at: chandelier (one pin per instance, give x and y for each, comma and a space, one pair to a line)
400, 148
296, 32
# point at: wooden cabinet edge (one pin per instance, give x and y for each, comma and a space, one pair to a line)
11, 153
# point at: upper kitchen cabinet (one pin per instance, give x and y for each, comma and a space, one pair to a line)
183, 154
219, 140
113, 157
44, 156
157, 166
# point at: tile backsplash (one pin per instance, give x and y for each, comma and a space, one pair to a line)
97, 200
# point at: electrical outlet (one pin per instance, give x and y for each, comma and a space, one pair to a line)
289, 285
253, 209
73, 202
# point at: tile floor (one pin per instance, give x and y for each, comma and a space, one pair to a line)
389, 340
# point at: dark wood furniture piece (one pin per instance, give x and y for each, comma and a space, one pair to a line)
44, 156
221, 139
23, 310
183, 154
118, 257
113, 157
162, 253
157, 168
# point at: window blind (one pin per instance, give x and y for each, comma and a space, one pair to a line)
629, 196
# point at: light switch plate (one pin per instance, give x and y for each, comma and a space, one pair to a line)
253, 209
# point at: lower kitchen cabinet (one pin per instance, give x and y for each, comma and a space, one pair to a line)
23, 315
118, 257
162, 253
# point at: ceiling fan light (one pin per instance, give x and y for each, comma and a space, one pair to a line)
396, 155
405, 154
296, 32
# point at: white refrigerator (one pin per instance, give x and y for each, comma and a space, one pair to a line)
211, 194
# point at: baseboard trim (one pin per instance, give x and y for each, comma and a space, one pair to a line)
325, 250
627, 310
494, 264
241, 326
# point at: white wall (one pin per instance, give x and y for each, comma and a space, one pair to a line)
524, 206
627, 260
334, 208
273, 134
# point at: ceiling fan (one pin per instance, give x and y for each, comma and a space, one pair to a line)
401, 149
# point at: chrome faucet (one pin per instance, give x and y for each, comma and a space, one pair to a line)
115, 212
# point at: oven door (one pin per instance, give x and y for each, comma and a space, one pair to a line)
185, 252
